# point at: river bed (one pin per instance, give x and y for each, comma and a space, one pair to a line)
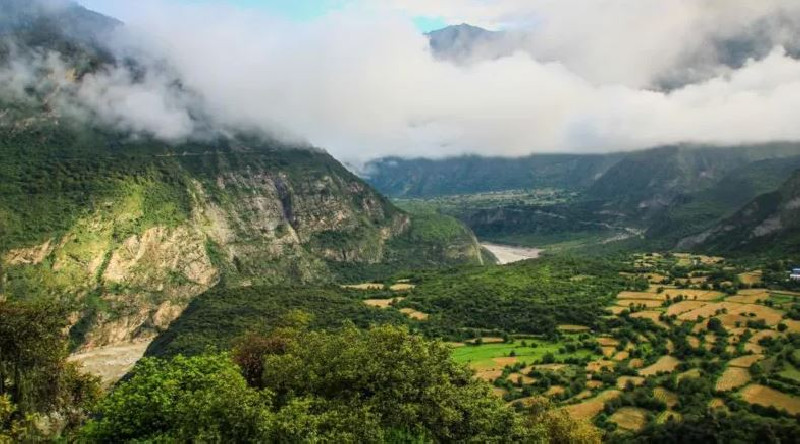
507, 254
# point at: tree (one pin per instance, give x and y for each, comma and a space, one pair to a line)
202, 398
35, 378
557, 425
347, 385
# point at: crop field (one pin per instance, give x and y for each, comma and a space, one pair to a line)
664, 364
414, 314
621, 356
519, 377
641, 295
668, 415
555, 390
402, 287
766, 396
485, 356
365, 286
692, 373
716, 403
656, 351
770, 315
599, 365
709, 310
751, 277
652, 315
684, 307
732, 377
666, 396
790, 372
630, 418
693, 295
793, 325
605, 341
745, 361
649, 303
590, 408
572, 328
623, 381
381, 303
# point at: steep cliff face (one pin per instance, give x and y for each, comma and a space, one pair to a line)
130, 233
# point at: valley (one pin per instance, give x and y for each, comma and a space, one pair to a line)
178, 268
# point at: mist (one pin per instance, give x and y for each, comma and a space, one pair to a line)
573, 76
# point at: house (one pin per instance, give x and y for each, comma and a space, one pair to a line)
795, 274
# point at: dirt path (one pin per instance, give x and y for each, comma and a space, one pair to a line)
507, 254
112, 362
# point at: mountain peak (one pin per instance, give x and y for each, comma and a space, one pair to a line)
46, 17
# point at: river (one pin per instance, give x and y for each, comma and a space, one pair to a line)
507, 254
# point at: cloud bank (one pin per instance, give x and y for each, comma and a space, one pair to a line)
362, 82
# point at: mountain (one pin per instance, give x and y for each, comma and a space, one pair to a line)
645, 183
42, 22
665, 193
127, 229
461, 43
420, 177
771, 222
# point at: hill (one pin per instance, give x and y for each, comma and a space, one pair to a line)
126, 228
770, 222
421, 177
664, 194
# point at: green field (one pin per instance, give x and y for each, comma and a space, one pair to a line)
790, 372
481, 356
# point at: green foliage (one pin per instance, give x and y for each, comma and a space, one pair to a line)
740, 426
216, 318
399, 177
526, 297
351, 385
35, 380
202, 398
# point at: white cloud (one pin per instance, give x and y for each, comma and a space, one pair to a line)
363, 83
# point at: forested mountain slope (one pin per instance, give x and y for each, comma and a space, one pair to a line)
421, 177
771, 222
127, 228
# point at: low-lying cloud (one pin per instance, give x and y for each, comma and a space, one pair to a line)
363, 82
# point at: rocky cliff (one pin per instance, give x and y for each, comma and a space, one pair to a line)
130, 234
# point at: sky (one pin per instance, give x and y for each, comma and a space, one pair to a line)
296, 10
360, 79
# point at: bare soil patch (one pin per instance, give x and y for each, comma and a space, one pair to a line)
112, 362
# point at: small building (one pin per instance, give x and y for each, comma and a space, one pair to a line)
795, 274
